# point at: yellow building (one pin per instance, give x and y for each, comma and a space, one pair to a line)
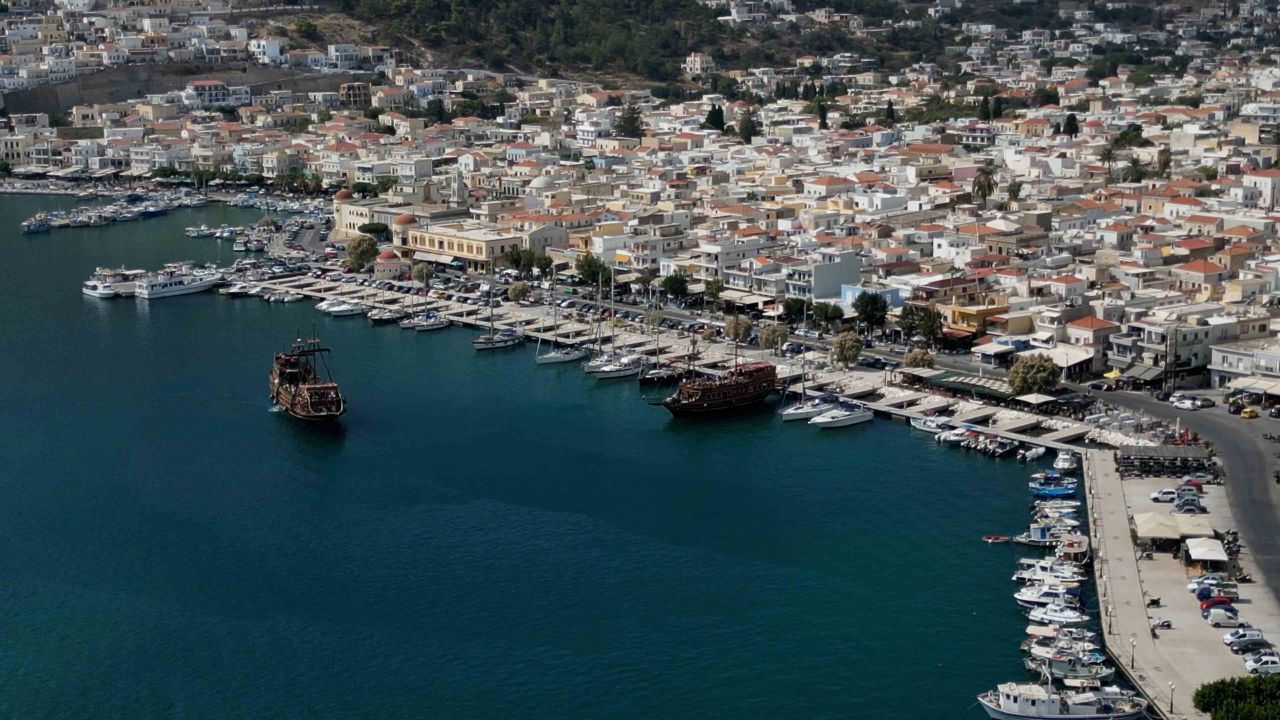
475, 245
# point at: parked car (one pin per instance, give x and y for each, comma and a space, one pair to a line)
1188, 405
1214, 601
1235, 408
1227, 616
1205, 402
1173, 494
1274, 412
1102, 385
1189, 506
1249, 413
1240, 647
1241, 634
1269, 663
1163, 395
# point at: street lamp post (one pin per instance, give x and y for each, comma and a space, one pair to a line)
1172, 687
1133, 652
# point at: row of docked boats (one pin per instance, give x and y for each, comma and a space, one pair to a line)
132, 206
1060, 647
828, 411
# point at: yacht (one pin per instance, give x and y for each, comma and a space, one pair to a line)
431, 321
175, 280
843, 416
329, 303
498, 340
37, 224
810, 408
1050, 570
1059, 615
628, 366
347, 309
1032, 454
1014, 701
562, 354
240, 245
1066, 461
597, 363
105, 282
382, 316
952, 437
239, 289
202, 231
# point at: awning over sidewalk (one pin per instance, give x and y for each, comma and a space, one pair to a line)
1145, 373
1155, 526
1256, 385
1193, 526
1206, 550
424, 256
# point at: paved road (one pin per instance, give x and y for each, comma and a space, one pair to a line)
1249, 461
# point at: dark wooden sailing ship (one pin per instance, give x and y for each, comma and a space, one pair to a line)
298, 387
741, 387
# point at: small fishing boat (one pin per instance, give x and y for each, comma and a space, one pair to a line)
1032, 454
432, 321
953, 437
499, 340
562, 354
996, 538
1013, 701
661, 376
1066, 461
1058, 614
932, 425
385, 316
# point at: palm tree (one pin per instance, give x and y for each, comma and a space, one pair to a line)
1108, 157
1134, 172
984, 184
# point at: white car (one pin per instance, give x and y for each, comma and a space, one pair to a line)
1241, 634
1271, 663
1188, 405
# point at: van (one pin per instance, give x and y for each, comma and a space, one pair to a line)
1224, 616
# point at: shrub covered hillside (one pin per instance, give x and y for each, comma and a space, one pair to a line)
643, 37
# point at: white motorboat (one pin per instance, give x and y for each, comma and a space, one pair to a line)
1066, 662
499, 340
932, 425
239, 289
347, 310
240, 245
627, 366
290, 297
383, 316
1058, 614
106, 283
1048, 570
952, 437
1032, 454
1035, 596
1014, 701
176, 280
562, 354
811, 408
202, 231
843, 416
329, 304
1066, 461
599, 362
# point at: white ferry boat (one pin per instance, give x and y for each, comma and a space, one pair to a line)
106, 282
176, 280
1014, 701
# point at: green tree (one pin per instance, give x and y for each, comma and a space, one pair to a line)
1108, 158
846, 348
772, 336
676, 285
1013, 189
361, 251
376, 229
984, 184
1072, 125
544, 264
1033, 374
931, 325
307, 29
872, 311
909, 321
1164, 159
1208, 173
827, 314
984, 108
918, 359
1134, 171
590, 269
738, 328
422, 272
794, 309
518, 291
748, 125
890, 116
712, 291
1240, 698
629, 124
715, 118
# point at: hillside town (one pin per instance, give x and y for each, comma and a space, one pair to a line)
1122, 224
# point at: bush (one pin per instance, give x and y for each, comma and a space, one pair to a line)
1240, 698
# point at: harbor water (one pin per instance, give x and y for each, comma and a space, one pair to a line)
479, 538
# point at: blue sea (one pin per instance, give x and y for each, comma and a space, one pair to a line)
480, 538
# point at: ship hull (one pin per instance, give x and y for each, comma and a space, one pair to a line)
745, 402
